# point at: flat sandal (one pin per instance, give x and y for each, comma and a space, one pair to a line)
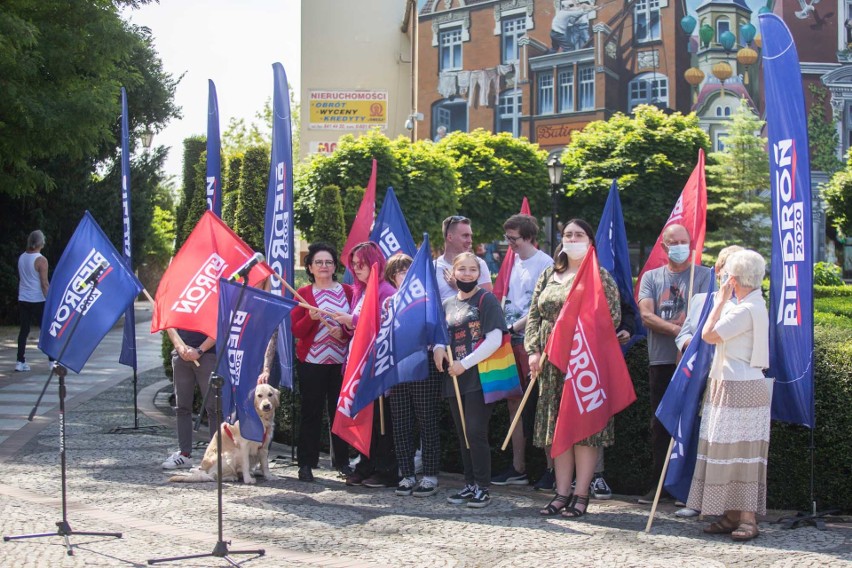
556, 505
744, 532
722, 526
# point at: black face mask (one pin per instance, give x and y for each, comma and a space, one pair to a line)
466, 286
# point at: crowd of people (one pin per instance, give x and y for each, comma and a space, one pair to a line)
730, 474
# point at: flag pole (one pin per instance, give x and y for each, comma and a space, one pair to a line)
458, 399
154, 307
382, 414
520, 410
659, 487
302, 301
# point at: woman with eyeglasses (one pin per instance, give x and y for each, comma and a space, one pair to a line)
549, 296
380, 469
321, 352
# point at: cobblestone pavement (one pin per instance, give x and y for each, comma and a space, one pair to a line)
115, 483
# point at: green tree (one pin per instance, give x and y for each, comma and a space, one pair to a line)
838, 196
495, 172
650, 154
231, 189
193, 194
251, 201
353, 196
422, 177
329, 226
348, 166
822, 133
737, 188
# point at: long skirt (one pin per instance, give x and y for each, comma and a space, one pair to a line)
730, 473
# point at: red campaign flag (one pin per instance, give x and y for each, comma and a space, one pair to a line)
188, 295
363, 223
501, 285
358, 429
689, 211
597, 384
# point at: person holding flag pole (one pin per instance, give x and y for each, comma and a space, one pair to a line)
550, 295
476, 327
520, 276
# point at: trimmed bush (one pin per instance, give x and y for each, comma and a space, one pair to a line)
329, 226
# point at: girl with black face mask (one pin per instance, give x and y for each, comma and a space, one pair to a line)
476, 325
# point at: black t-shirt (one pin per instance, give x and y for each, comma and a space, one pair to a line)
469, 321
194, 339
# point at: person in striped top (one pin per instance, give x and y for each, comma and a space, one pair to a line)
320, 351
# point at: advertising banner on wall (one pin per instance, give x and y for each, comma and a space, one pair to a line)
347, 110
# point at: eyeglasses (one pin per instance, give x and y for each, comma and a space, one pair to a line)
512, 240
570, 235
450, 221
358, 265
323, 263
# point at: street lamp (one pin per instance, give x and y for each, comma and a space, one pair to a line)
147, 137
554, 170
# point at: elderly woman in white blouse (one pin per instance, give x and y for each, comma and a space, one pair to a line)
730, 473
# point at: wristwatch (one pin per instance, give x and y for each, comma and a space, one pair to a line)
200, 352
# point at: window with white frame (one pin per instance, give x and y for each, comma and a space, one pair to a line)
720, 141
512, 30
649, 89
586, 94
646, 20
450, 114
545, 93
565, 79
450, 49
509, 112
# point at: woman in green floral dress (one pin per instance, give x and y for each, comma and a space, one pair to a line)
548, 298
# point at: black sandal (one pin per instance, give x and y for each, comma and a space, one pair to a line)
556, 505
571, 511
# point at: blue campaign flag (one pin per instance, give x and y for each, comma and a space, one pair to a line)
214, 157
613, 255
678, 410
390, 230
278, 226
73, 302
127, 356
414, 321
791, 306
243, 331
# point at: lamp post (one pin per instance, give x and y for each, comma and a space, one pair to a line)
147, 137
554, 171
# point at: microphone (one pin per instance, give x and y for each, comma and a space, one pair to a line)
246, 268
93, 276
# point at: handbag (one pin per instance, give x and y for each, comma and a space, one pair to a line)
498, 374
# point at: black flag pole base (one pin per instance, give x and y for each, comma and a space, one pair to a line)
801, 519
219, 551
64, 530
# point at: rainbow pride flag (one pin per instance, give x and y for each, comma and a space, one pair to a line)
499, 374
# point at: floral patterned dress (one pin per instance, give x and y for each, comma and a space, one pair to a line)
547, 301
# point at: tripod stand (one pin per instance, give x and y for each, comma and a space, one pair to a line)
63, 528
220, 550
136, 428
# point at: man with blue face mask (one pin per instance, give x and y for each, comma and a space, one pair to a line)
663, 300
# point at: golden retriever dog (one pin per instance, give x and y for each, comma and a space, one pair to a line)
239, 456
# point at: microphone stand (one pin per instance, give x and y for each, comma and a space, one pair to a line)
220, 550
63, 528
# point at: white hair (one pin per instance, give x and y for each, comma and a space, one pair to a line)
748, 267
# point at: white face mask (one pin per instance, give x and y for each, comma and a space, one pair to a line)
575, 251
678, 253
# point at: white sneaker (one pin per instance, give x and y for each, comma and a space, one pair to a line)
177, 461
21, 367
686, 513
